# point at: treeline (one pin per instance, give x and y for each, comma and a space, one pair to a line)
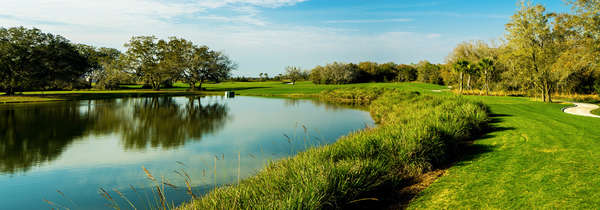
345, 73
543, 54
33, 60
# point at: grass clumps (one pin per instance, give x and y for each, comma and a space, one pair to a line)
416, 133
353, 95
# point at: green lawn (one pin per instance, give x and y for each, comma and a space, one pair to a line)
596, 112
305, 88
22, 99
539, 157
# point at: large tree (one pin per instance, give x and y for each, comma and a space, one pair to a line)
150, 60
532, 44
202, 64
30, 59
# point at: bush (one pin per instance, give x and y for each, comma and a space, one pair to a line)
415, 134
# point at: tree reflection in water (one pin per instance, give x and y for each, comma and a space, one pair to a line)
34, 134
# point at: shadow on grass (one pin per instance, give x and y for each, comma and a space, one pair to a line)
399, 197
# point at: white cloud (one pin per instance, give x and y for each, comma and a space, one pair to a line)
433, 36
371, 20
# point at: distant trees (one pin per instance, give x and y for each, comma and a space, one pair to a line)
263, 76
335, 73
31, 59
344, 73
159, 62
406, 73
429, 73
293, 73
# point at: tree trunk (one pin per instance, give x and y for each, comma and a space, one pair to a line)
10, 91
200, 86
461, 82
487, 84
469, 82
193, 86
156, 86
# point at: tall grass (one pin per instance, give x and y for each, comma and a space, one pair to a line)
353, 95
416, 133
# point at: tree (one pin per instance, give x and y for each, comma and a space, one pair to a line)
30, 59
428, 72
102, 66
461, 66
487, 67
293, 73
406, 73
532, 45
145, 59
471, 71
203, 65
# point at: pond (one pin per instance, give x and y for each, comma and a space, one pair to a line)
62, 155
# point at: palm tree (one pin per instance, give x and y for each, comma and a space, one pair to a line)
471, 70
461, 66
487, 66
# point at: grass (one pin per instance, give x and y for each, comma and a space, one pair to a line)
23, 99
307, 88
538, 158
346, 173
596, 112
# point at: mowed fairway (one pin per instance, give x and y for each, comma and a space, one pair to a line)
538, 157
306, 87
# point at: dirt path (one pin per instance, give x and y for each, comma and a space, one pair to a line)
582, 109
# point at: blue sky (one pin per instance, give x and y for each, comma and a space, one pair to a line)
268, 35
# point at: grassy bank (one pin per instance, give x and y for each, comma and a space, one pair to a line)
25, 99
85, 95
416, 133
596, 112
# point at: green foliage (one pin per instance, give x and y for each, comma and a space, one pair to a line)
293, 73
31, 59
429, 73
335, 73
416, 133
340, 73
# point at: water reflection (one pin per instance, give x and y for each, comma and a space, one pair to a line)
32, 135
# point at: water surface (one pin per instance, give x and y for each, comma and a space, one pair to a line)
66, 152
